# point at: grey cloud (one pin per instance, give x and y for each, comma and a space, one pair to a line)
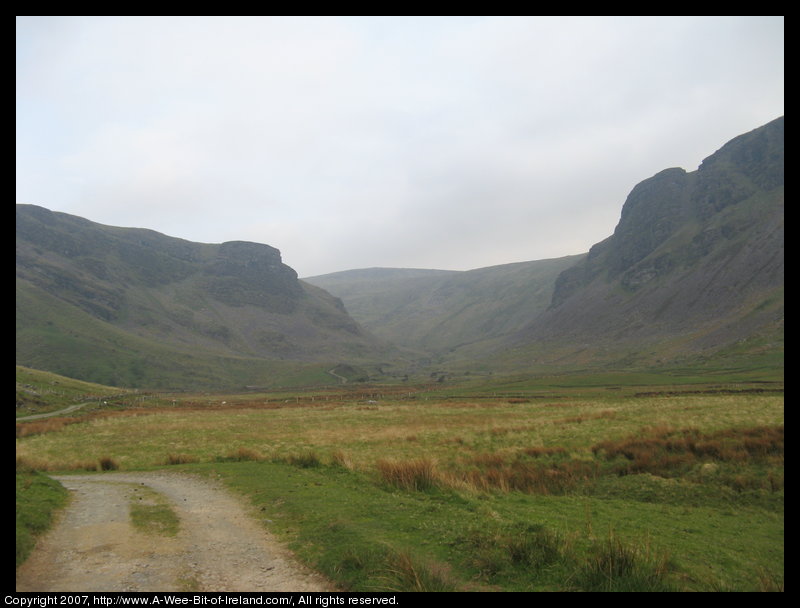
436, 142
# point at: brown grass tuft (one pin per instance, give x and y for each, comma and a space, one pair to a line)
341, 459
46, 425
305, 460
534, 478
540, 451
179, 459
243, 454
665, 451
404, 572
412, 475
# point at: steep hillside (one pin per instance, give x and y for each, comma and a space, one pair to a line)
437, 311
695, 265
133, 307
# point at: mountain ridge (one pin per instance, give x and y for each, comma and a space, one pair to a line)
694, 267
696, 258
152, 294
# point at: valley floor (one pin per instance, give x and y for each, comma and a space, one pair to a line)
645, 486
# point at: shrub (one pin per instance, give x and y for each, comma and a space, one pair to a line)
108, 464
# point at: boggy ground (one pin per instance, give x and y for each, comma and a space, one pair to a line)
218, 547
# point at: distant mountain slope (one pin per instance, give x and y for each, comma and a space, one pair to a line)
437, 311
133, 307
695, 264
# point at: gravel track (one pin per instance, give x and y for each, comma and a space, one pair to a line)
219, 547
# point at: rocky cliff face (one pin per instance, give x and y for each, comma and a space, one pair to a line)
244, 273
696, 256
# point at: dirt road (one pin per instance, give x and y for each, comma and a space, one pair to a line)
66, 410
219, 546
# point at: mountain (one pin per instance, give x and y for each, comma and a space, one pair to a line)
435, 312
695, 266
694, 269
133, 307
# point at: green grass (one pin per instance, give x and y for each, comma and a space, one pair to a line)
617, 487
358, 531
67, 340
613, 565
40, 392
38, 498
151, 513
755, 375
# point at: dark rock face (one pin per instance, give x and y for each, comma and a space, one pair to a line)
78, 255
757, 155
244, 273
690, 249
654, 210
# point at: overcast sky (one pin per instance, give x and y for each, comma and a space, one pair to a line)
353, 142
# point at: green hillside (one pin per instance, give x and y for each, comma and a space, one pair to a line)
445, 312
41, 392
135, 308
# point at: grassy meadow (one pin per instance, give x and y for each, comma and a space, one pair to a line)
576, 483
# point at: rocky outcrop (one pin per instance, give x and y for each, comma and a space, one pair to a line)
694, 254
